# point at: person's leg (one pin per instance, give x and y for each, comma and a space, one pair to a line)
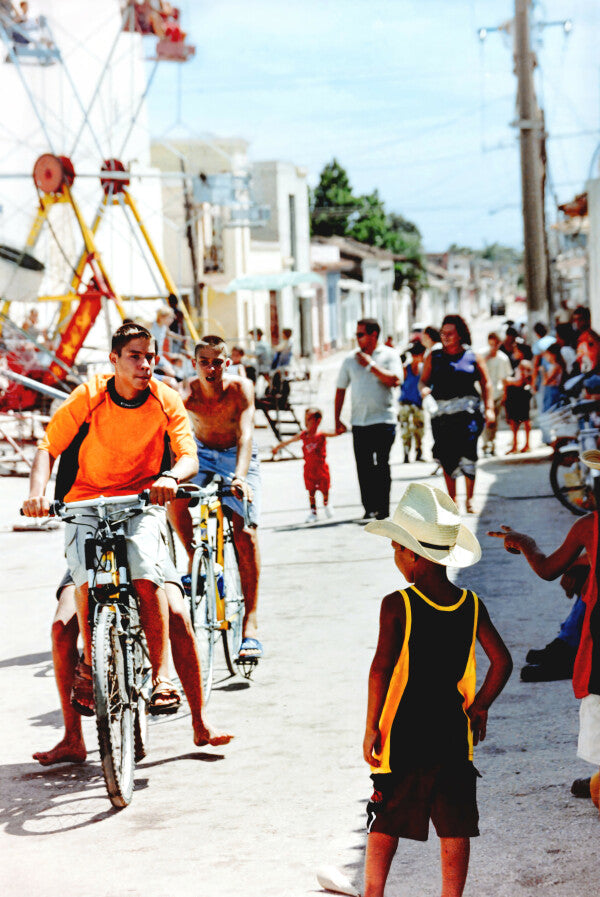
455, 864
405, 429
181, 520
527, 427
187, 664
312, 498
419, 425
470, 485
365, 466
154, 617
246, 543
450, 485
380, 853
65, 631
514, 426
383, 440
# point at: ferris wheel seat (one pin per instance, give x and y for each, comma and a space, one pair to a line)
175, 51
35, 53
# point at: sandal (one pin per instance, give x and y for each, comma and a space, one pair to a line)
82, 692
170, 699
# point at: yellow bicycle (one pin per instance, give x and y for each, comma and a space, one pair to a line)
216, 601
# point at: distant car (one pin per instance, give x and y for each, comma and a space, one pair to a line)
497, 307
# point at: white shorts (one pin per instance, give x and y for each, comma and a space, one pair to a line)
146, 548
588, 744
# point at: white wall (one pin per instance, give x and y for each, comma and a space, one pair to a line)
593, 191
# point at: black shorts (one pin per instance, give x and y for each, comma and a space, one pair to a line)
402, 804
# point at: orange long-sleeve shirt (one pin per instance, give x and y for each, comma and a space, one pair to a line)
123, 449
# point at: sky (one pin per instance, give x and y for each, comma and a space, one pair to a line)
401, 92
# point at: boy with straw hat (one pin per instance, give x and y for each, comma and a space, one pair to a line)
583, 537
423, 716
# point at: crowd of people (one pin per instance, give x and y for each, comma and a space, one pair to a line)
208, 419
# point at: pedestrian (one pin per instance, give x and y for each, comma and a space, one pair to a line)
423, 715
457, 380
316, 469
584, 536
236, 367
430, 337
372, 372
500, 369
554, 375
588, 341
261, 357
565, 337
410, 413
508, 345
517, 396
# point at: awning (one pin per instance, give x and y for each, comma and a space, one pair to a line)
272, 281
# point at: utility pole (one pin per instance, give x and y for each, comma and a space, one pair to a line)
531, 131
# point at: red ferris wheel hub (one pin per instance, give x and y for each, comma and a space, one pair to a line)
51, 173
115, 184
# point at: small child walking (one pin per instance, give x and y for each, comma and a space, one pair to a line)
423, 715
316, 469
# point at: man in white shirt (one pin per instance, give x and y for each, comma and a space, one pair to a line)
372, 372
500, 369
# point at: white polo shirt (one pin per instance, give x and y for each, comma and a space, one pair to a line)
372, 402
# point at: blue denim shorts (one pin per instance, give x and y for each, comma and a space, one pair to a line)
223, 462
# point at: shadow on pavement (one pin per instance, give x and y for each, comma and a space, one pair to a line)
26, 660
193, 755
51, 800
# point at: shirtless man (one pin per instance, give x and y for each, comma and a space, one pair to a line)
221, 410
65, 657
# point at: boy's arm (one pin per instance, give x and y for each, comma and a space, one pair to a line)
549, 566
285, 442
244, 442
391, 630
497, 675
37, 505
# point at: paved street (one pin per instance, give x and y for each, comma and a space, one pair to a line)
259, 816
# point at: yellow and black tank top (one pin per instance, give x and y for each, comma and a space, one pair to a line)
424, 716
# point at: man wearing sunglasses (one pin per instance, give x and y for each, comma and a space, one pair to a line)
221, 411
372, 372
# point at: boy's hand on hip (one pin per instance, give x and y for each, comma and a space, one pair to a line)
478, 717
371, 745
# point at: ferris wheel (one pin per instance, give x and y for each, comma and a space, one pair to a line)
77, 78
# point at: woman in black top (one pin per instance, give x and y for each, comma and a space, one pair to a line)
457, 380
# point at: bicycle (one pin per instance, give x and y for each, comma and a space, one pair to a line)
573, 432
216, 600
121, 669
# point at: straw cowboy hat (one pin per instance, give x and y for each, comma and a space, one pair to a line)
427, 522
592, 458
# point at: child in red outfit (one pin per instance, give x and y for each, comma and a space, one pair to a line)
316, 469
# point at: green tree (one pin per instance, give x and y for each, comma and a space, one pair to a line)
332, 202
370, 223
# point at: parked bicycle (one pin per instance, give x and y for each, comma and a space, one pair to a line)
121, 670
216, 600
573, 429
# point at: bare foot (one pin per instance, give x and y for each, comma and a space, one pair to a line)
512, 451
525, 449
64, 752
470, 507
206, 735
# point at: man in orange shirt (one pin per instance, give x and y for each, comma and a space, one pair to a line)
115, 434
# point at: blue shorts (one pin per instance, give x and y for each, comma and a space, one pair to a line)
223, 462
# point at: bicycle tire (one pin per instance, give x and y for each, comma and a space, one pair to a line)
570, 486
203, 613
142, 675
114, 716
233, 598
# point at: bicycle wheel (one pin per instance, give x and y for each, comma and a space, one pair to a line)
142, 676
234, 599
203, 612
114, 717
571, 482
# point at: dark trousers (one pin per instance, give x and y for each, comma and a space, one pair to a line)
372, 447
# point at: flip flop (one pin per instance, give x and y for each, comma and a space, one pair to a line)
163, 688
250, 649
82, 692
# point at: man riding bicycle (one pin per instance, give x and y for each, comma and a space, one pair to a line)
221, 409
116, 434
